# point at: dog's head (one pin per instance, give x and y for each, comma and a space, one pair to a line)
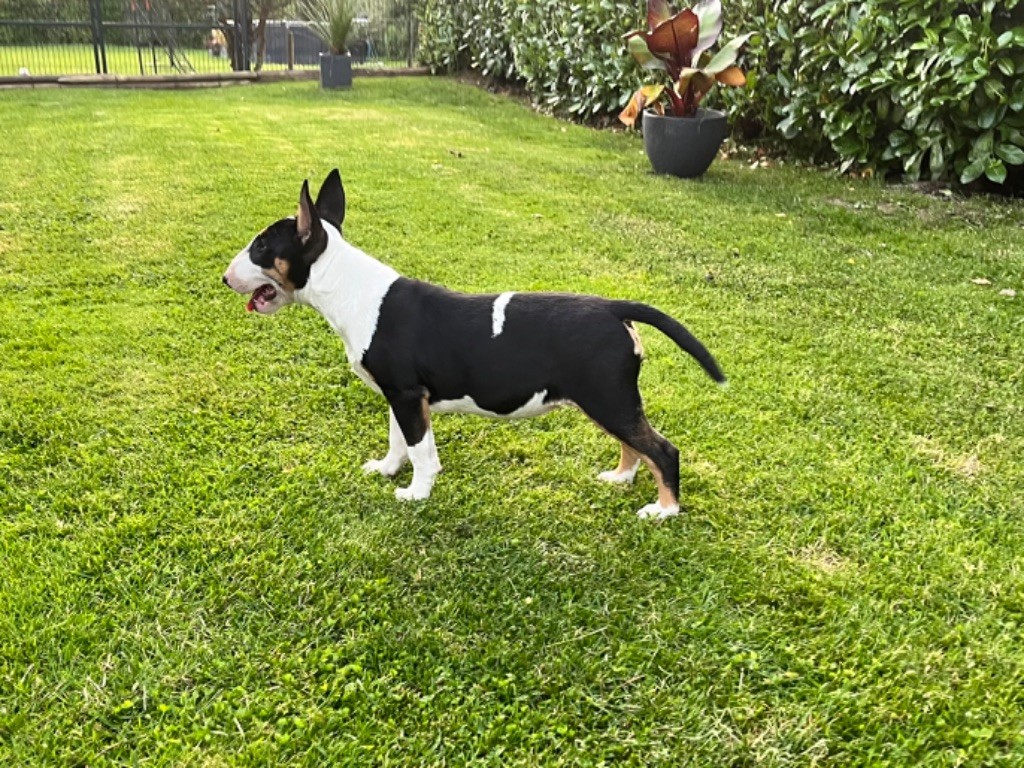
277, 262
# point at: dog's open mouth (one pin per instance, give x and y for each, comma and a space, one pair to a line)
261, 297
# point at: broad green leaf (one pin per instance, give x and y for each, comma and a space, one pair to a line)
1010, 154
726, 57
1016, 101
1010, 135
987, 118
996, 171
937, 160
982, 147
788, 127
994, 89
972, 172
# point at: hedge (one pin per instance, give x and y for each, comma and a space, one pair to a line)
568, 55
927, 89
933, 88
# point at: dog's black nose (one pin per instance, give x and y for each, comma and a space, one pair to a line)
224, 280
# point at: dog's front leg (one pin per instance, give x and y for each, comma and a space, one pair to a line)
413, 417
397, 454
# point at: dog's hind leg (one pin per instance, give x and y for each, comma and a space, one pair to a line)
629, 463
398, 452
618, 410
413, 417
663, 459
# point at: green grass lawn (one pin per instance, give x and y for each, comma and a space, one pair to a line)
121, 60
196, 571
130, 60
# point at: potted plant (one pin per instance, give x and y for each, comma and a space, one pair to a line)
683, 140
332, 20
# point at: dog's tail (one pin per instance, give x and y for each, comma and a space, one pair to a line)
642, 313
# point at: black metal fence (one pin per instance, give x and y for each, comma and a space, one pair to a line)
161, 37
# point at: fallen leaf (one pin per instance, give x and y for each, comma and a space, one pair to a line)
1008, 292
981, 281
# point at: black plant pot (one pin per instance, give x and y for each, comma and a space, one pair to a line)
683, 146
335, 70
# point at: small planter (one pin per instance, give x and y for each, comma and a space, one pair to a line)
684, 146
335, 70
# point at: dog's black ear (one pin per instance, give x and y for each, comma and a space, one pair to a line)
307, 219
330, 202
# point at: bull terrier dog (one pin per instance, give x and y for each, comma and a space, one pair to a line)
428, 349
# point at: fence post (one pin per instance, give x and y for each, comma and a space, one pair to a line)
246, 32
243, 53
99, 48
291, 50
408, 27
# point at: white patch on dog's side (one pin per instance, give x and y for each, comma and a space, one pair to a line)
398, 452
425, 466
535, 406
498, 313
626, 476
657, 512
348, 287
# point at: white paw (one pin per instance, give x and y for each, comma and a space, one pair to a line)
657, 512
612, 476
410, 494
384, 466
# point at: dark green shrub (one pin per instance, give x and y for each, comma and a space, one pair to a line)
569, 56
930, 88
933, 88
441, 45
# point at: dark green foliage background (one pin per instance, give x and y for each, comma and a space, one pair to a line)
922, 90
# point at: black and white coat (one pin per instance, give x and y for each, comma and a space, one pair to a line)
427, 349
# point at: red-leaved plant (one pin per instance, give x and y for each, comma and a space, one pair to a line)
678, 44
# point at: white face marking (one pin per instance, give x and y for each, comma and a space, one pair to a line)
535, 406
498, 313
243, 276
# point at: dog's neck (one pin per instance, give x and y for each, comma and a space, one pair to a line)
347, 287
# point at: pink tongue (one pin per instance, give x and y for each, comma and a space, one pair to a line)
251, 306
